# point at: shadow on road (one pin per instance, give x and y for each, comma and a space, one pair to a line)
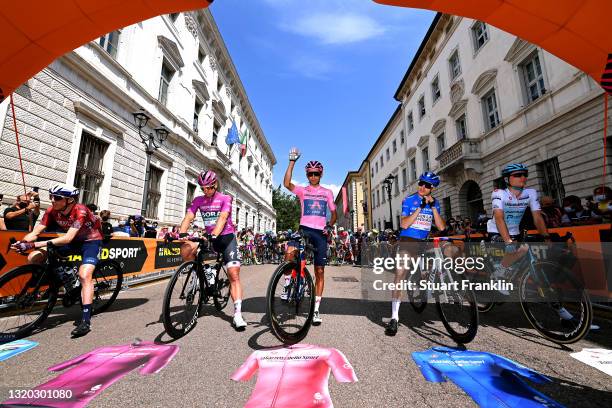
572, 394
61, 315
507, 318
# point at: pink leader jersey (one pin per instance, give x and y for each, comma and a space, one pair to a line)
97, 370
295, 376
211, 208
314, 201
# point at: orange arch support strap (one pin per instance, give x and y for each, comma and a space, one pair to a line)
18, 145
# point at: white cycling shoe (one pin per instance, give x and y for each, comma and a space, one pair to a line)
239, 322
316, 319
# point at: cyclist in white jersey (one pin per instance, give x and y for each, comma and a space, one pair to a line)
509, 205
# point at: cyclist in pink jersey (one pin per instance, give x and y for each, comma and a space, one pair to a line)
296, 376
315, 201
93, 372
83, 234
216, 211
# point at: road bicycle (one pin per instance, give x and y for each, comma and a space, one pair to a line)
290, 298
29, 292
456, 306
554, 302
192, 286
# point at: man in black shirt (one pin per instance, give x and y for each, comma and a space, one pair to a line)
23, 214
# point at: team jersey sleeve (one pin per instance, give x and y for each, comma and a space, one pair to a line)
437, 206
227, 205
72, 362
247, 369
406, 207
340, 366
298, 191
497, 199
81, 217
193, 208
534, 201
159, 359
429, 372
330, 201
520, 369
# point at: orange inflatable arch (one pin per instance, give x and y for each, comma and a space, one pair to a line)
34, 33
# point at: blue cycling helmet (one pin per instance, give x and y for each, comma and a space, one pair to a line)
513, 168
431, 178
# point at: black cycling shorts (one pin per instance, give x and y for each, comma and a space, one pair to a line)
227, 246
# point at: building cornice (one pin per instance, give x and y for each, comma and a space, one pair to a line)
226, 66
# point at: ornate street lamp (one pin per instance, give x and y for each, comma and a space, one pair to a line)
258, 207
388, 182
152, 142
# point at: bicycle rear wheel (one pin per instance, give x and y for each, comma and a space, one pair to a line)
107, 279
221, 291
182, 300
27, 296
290, 303
458, 311
558, 307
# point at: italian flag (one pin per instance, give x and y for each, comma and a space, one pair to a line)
244, 139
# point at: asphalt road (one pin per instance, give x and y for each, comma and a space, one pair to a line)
199, 375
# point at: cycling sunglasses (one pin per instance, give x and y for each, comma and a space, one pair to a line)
57, 198
425, 184
208, 187
522, 174
313, 174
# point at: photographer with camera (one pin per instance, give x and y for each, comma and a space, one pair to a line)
24, 213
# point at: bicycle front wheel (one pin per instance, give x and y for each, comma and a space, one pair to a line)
290, 303
27, 296
459, 313
107, 279
182, 300
555, 303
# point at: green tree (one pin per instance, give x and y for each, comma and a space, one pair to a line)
287, 208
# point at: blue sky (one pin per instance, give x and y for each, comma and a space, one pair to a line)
321, 74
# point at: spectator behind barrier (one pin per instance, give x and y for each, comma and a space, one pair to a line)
93, 208
150, 230
552, 213
107, 228
24, 213
576, 214
602, 202
162, 233
123, 229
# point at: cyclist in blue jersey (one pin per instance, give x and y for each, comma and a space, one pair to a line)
419, 211
509, 206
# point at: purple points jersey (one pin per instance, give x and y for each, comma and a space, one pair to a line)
93, 372
210, 208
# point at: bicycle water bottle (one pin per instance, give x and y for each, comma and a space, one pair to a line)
209, 274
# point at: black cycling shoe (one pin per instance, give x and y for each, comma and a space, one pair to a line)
82, 329
391, 329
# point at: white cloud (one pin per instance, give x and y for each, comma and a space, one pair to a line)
333, 187
337, 28
311, 67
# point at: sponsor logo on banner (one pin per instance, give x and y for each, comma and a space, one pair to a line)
130, 254
168, 255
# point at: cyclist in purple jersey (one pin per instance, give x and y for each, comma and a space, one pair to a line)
216, 211
315, 200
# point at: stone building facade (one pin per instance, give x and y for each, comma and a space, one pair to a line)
476, 98
76, 124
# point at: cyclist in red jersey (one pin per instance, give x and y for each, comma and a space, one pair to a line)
83, 235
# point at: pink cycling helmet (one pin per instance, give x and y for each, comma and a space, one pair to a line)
207, 178
314, 165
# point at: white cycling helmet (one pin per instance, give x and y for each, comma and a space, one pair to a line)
64, 190
341, 229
